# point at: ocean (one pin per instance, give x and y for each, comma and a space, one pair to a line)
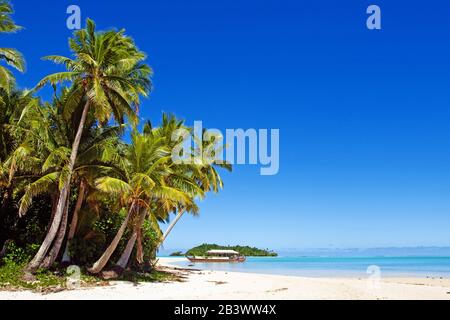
424, 266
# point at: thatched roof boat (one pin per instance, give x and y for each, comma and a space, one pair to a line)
218, 256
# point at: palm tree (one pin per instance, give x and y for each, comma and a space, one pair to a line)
193, 179
97, 157
45, 126
214, 181
94, 158
107, 76
143, 180
12, 104
159, 211
201, 172
6, 23
11, 56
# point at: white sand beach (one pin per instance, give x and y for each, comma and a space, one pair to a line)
234, 285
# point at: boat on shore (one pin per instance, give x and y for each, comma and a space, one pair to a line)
218, 256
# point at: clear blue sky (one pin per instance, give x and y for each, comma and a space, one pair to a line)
363, 115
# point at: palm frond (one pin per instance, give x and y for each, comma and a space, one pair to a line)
13, 58
113, 186
42, 185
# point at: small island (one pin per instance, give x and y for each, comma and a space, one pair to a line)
177, 254
244, 250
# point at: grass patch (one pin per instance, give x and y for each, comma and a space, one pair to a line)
12, 278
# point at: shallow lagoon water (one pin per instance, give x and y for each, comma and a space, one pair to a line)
334, 266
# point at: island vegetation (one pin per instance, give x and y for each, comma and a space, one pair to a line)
73, 190
177, 254
244, 250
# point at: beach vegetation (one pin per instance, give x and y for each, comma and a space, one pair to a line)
84, 180
9, 56
177, 254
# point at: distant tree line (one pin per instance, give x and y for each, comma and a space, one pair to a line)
244, 250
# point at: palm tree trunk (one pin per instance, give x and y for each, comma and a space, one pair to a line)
54, 197
37, 260
54, 251
103, 260
172, 224
125, 257
6, 197
4, 250
73, 225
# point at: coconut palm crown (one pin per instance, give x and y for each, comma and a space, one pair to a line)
10, 56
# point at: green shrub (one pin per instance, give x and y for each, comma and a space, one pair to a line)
18, 255
86, 248
13, 264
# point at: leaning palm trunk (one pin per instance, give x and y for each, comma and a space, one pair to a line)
103, 260
40, 255
55, 197
73, 225
172, 224
125, 257
54, 251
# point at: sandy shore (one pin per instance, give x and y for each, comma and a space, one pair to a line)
235, 285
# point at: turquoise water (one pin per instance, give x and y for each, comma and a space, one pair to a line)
334, 266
